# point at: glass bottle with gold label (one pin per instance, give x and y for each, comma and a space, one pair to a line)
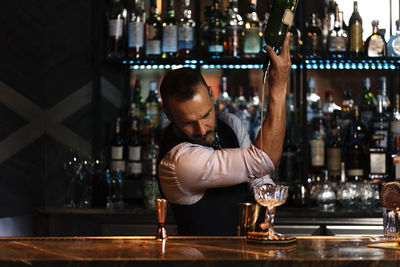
355, 31
252, 32
375, 45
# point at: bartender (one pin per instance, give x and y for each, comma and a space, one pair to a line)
207, 164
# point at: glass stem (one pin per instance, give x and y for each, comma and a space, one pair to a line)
270, 218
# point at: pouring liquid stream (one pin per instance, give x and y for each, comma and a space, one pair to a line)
262, 103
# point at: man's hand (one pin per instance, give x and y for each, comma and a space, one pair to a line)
279, 71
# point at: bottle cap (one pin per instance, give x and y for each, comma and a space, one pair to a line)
375, 22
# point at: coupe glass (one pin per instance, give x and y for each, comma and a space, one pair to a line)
271, 196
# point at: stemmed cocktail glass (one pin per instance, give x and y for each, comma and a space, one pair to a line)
271, 196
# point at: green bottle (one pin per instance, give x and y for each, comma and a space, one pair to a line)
279, 22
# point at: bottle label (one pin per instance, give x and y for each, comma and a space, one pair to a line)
135, 34
252, 41
378, 163
134, 152
396, 46
397, 171
334, 159
153, 47
337, 44
153, 112
355, 172
152, 33
356, 42
376, 47
170, 39
215, 48
317, 152
117, 152
186, 37
117, 165
115, 27
395, 128
288, 17
384, 133
150, 193
134, 167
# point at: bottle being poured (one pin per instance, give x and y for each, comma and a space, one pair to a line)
279, 22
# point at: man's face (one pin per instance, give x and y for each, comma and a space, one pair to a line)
195, 117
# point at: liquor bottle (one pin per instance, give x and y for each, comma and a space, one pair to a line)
233, 44
150, 183
152, 106
377, 160
153, 32
204, 32
356, 30
338, 38
169, 44
279, 22
134, 163
252, 32
394, 42
326, 27
347, 108
382, 96
355, 151
395, 158
186, 32
289, 169
312, 100
216, 32
224, 100
380, 125
295, 42
117, 162
313, 38
317, 142
241, 109
136, 29
375, 45
329, 106
115, 20
366, 102
334, 147
395, 123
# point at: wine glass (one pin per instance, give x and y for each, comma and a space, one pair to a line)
271, 196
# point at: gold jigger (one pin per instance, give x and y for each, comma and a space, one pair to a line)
248, 218
161, 206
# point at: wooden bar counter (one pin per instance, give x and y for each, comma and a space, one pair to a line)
185, 251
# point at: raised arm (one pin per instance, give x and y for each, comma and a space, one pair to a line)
273, 127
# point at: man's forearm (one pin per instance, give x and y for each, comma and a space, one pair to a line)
271, 138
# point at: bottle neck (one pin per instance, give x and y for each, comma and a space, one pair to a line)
397, 28
375, 29
170, 14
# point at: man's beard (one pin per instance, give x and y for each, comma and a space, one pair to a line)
204, 142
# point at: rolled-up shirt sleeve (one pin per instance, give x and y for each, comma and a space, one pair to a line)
189, 169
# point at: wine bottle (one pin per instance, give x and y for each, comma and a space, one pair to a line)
356, 30
153, 33
136, 29
115, 20
134, 164
169, 32
117, 149
338, 39
317, 142
279, 22
216, 31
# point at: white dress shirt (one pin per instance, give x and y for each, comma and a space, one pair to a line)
188, 170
